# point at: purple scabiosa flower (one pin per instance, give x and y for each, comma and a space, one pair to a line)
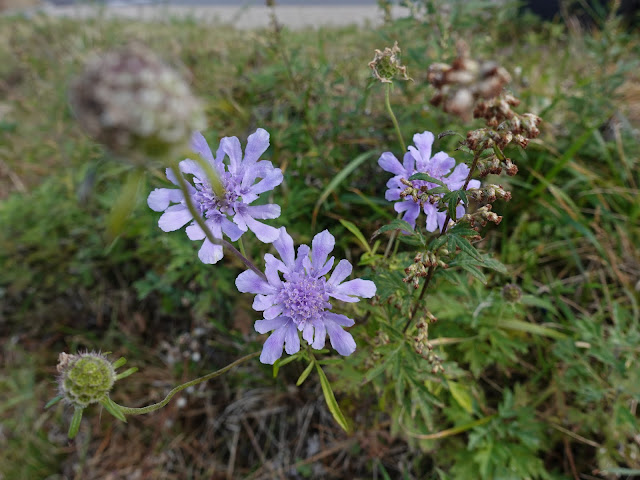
300, 302
231, 213
419, 160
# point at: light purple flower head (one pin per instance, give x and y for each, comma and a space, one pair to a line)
238, 179
419, 160
300, 302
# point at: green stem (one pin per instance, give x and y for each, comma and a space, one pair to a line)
387, 102
197, 216
432, 269
179, 388
241, 245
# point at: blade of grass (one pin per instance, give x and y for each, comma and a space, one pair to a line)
337, 180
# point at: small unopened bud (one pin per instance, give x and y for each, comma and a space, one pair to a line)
134, 104
512, 293
386, 65
85, 378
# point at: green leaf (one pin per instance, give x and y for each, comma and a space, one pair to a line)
462, 230
493, 264
396, 224
474, 271
75, 422
53, 401
436, 243
466, 247
114, 409
446, 133
437, 190
330, 398
337, 180
461, 395
118, 363
533, 328
125, 203
357, 233
281, 363
427, 178
126, 373
305, 374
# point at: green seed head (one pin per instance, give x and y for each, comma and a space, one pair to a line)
512, 293
386, 65
85, 378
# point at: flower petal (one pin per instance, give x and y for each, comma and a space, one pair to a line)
273, 311
411, 209
271, 181
160, 198
341, 340
257, 144
320, 334
194, 232
291, 340
321, 246
357, 288
174, 217
210, 253
265, 326
262, 302
389, 163
409, 164
432, 217
230, 229
270, 210
342, 271
284, 247
457, 177
339, 319
231, 146
272, 348
265, 233
474, 184
249, 282
200, 146
424, 142
271, 270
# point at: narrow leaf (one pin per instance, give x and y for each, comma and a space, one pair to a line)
126, 373
533, 328
466, 247
53, 401
474, 271
462, 396
305, 374
337, 180
114, 409
396, 224
74, 427
357, 233
427, 178
330, 398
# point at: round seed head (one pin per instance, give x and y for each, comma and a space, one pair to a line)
134, 104
85, 378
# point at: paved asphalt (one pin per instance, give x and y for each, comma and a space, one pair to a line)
246, 14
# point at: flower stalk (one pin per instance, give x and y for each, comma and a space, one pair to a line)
179, 388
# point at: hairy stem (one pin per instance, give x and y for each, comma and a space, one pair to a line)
179, 388
432, 269
197, 217
387, 102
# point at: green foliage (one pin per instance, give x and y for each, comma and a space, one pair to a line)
507, 390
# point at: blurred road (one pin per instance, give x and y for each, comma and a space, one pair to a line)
295, 14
